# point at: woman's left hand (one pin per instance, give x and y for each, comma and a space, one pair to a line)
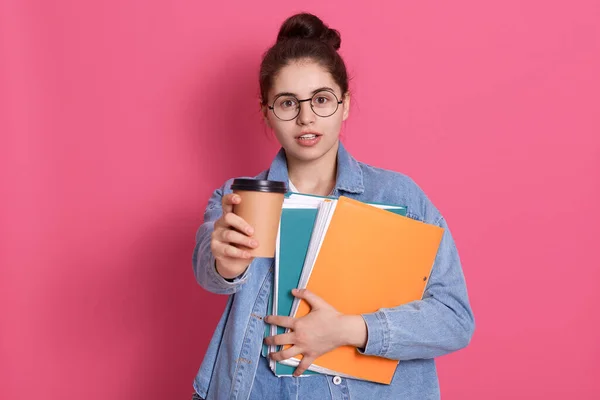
320, 331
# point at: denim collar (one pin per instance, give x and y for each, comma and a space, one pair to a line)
349, 174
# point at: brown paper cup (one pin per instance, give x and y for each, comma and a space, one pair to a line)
260, 207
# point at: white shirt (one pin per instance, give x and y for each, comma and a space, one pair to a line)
292, 187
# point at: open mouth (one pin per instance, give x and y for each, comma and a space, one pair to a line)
308, 136
308, 139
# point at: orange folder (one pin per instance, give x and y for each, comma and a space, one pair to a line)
370, 259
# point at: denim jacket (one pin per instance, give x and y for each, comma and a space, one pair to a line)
414, 333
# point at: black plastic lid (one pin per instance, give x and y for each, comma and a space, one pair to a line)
258, 185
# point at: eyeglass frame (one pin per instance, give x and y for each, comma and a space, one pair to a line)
272, 107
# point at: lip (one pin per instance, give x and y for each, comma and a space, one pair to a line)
317, 134
308, 143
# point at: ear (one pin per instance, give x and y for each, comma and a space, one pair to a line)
346, 104
265, 113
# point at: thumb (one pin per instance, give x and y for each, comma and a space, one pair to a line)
312, 299
228, 201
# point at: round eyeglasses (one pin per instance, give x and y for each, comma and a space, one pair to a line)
286, 107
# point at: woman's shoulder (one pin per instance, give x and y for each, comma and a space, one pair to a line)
393, 187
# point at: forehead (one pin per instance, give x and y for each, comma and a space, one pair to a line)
302, 78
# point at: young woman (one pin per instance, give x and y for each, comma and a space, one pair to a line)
305, 99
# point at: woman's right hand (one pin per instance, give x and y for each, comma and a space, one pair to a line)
231, 231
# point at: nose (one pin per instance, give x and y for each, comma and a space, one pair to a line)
306, 115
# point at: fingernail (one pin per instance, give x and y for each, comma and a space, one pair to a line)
249, 230
253, 243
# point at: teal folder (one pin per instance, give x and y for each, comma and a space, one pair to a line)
294, 236
295, 231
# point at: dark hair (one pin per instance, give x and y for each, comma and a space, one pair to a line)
303, 36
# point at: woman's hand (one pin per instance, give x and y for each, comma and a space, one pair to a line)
318, 332
230, 232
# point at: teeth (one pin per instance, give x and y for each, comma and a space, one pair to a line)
308, 136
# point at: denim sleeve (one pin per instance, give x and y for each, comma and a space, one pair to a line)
440, 323
203, 260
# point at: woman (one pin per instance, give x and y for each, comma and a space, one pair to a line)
304, 90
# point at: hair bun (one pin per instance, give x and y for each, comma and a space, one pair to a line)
309, 26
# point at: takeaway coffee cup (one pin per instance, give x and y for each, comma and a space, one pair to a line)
262, 201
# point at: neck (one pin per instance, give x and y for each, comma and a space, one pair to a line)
317, 176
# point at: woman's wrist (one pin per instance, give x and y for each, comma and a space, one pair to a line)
354, 331
227, 275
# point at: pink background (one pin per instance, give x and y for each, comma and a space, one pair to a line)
119, 118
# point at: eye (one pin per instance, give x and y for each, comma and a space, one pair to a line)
323, 99
287, 103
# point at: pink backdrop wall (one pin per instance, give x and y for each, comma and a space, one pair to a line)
118, 119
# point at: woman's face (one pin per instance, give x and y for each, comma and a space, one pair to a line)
309, 136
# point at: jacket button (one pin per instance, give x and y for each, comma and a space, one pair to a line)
337, 380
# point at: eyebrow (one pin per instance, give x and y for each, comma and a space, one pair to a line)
313, 92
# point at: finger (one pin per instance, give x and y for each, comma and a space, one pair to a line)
303, 366
280, 320
285, 354
229, 236
228, 201
221, 249
238, 223
312, 299
280, 340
